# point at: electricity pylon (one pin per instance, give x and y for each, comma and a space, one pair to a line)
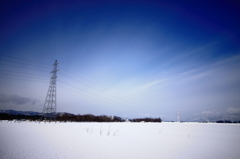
207, 117
178, 116
50, 105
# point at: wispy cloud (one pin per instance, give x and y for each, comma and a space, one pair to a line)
231, 60
198, 76
188, 72
212, 112
231, 113
151, 84
15, 99
233, 110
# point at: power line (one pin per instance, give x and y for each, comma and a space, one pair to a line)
103, 99
79, 90
84, 94
10, 71
24, 63
25, 59
23, 79
87, 92
132, 103
22, 76
101, 87
113, 93
24, 67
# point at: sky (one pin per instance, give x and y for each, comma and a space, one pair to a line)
126, 58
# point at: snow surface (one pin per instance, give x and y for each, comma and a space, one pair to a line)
25, 140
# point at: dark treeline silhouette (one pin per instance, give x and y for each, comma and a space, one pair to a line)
88, 118
147, 120
64, 117
5, 116
227, 121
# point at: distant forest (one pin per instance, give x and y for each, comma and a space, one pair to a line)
66, 117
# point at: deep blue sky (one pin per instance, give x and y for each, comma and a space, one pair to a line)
131, 59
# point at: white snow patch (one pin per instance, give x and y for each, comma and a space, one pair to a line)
118, 140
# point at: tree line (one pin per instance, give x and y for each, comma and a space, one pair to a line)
66, 117
5, 116
147, 120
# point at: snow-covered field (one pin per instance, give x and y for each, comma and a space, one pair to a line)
33, 140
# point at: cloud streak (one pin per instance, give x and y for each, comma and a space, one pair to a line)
233, 111
151, 84
15, 99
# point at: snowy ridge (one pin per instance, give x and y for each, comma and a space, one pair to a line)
14, 112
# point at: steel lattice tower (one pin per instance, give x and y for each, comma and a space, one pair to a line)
50, 105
